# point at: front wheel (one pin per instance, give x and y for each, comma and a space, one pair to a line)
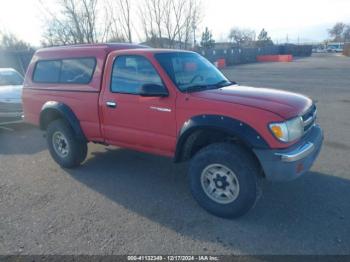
224, 179
65, 148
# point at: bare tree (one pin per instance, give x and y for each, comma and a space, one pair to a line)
340, 32
77, 22
89, 23
337, 31
190, 21
152, 13
10, 42
122, 24
169, 23
241, 37
126, 18
165, 23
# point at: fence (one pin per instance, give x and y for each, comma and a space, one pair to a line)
238, 55
296, 50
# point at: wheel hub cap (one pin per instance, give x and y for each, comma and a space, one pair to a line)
60, 144
220, 183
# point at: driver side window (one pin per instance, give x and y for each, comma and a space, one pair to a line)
130, 73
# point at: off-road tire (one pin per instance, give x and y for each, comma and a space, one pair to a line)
246, 169
77, 148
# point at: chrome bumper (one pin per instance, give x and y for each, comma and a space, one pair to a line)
290, 163
298, 153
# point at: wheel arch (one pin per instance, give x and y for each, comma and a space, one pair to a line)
53, 110
220, 127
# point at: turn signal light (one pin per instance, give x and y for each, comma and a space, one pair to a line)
277, 131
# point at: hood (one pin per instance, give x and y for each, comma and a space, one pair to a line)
11, 92
282, 103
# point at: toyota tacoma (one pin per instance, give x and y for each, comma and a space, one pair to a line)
176, 104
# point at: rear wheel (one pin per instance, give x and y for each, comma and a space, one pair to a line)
65, 148
224, 179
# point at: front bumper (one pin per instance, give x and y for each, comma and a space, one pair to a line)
288, 164
10, 117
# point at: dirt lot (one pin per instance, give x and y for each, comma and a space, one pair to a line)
123, 202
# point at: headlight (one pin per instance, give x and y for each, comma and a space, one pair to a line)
288, 131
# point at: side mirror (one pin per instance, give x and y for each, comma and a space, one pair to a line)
153, 90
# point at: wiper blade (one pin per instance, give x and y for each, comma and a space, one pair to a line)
220, 84
224, 83
195, 88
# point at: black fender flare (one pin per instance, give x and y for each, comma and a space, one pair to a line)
64, 112
231, 126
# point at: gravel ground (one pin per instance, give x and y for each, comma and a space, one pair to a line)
124, 202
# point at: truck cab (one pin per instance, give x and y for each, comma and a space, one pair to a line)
176, 104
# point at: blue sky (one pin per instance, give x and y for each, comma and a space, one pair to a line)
307, 20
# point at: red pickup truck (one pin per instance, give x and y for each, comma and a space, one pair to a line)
175, 104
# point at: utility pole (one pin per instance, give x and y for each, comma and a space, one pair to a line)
194, 27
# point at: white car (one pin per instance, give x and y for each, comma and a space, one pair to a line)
10, 96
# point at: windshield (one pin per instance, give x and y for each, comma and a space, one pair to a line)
10, 78
191, 72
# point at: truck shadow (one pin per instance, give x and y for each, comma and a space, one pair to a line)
311, 212
21, 139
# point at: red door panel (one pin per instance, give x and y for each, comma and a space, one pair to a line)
138, 122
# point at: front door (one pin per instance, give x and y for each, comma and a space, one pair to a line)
132, 120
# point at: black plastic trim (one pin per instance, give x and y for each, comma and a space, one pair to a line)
231, 126
66, 113
61, 90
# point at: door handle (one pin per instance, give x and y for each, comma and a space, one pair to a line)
111, 104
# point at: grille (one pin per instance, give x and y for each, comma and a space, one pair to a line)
309, 118
10, 107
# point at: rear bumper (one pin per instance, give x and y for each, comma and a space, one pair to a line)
288, 164
10, 117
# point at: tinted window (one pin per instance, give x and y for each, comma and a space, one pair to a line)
77, 71
131, 72
66, 71
47, 71
10, 78
189, 70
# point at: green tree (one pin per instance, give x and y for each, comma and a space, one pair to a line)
207, 40
263, 39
